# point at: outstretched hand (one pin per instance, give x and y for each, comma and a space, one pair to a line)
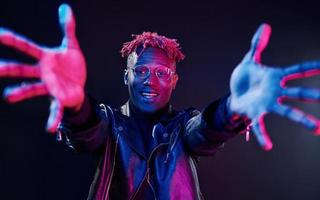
257, 89
61, 70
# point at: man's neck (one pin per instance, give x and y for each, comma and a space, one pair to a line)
151, 117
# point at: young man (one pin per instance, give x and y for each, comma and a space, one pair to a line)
148, 150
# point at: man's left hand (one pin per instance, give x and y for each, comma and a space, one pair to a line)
257, 90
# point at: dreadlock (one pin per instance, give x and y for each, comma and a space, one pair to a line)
170, 46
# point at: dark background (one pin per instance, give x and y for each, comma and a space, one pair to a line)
214, 36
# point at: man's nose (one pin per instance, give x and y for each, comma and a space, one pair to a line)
151, 79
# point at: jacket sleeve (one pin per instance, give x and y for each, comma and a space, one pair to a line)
88, 129
206, 131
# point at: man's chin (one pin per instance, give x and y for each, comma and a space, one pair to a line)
150, 108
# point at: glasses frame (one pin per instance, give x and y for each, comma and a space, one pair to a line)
172, 72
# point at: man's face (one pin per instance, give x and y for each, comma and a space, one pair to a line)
151, 93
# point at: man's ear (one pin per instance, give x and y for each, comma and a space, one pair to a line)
125, 76
175, 79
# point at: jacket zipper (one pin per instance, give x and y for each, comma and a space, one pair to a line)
147, 174
148, 180
115, 152
112, 170
172, 142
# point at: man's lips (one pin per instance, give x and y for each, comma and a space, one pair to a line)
148, 94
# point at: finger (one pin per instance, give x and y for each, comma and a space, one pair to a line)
20, 43
15, 94
298, 116
259, 42
68, 25
259, 130
301, 70
56, 113
304, 94
18, 70
317, 130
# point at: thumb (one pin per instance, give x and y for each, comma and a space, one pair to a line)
68, 25
259, 42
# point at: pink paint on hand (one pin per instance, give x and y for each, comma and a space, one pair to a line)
13, 40
306, 74
267, 141
262, 42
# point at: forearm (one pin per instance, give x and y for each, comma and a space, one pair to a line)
219, 117
82, 118
86, 128
209, 129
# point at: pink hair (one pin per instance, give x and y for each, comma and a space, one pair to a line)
170, 46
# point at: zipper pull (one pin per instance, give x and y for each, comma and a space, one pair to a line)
248, 131
154, 130
58, 132
167, 158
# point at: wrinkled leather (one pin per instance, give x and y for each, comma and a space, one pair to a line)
125, 171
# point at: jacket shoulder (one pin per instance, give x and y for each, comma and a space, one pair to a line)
192, 112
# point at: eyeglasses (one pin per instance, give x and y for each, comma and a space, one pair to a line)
162, 72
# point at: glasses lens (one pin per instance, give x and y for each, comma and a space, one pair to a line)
141, 71
163, 73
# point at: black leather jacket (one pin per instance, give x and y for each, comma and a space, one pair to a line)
125, 171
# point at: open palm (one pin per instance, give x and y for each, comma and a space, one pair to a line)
61, 70
257, 89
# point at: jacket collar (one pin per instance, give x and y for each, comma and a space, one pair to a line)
136, 143
168, 116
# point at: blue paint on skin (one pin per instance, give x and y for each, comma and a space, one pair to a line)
152, 58
63, 11
2, 31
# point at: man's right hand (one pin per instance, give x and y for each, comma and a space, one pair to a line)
61, 70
